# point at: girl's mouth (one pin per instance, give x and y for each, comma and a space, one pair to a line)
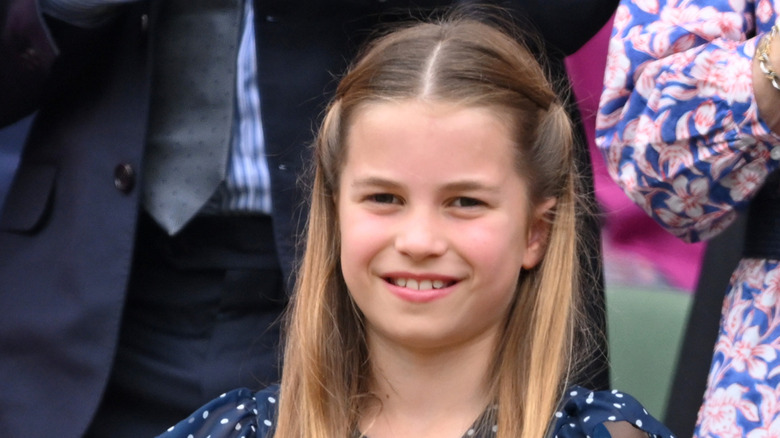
411, 283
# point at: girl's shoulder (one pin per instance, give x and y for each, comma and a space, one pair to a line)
240, 413
586, 413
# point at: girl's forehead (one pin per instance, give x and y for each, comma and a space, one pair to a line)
427, 115
424, 144
430, 105
432, 127
421, 121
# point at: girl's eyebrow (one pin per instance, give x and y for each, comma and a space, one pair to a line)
455, 186
374, 181
470, 186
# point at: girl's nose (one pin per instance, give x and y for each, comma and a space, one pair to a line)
421, 236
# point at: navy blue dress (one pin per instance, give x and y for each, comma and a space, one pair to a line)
245, 414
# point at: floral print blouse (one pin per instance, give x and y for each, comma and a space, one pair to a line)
680, 130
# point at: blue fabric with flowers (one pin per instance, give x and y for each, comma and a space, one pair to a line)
244, 414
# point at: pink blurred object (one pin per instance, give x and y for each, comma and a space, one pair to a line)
637, 251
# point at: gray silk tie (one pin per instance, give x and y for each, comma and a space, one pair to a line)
191, 120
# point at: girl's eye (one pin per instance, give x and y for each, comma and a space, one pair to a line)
383, 198
467, 202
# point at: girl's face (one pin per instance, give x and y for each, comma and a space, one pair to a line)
435, 223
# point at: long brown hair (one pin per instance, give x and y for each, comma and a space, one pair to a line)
467, 62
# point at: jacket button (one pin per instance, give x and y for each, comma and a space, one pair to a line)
124, 177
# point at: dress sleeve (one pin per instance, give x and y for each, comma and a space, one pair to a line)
237, 414
583, 414
678, 122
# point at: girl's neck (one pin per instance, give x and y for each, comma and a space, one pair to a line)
427, 393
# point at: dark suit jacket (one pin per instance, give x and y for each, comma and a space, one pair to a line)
67, 228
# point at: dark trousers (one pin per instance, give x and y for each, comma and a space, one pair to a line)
201, 317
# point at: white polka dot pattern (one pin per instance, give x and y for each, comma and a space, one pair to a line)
243, 414
583, 416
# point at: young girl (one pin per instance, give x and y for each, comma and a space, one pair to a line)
436, 297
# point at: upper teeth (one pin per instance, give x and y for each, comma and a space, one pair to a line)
410, 283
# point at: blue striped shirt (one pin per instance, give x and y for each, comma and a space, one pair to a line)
247, 187
248, 183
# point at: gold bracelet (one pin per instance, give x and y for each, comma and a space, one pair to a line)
763, 58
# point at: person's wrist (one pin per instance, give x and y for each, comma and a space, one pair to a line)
766, 78
764, 60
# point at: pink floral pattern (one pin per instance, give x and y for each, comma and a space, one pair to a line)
680, 131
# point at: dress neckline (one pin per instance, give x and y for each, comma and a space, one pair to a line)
484, 426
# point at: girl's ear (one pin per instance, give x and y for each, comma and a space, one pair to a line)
538, 233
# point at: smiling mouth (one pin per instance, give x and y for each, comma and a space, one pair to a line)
411, 283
